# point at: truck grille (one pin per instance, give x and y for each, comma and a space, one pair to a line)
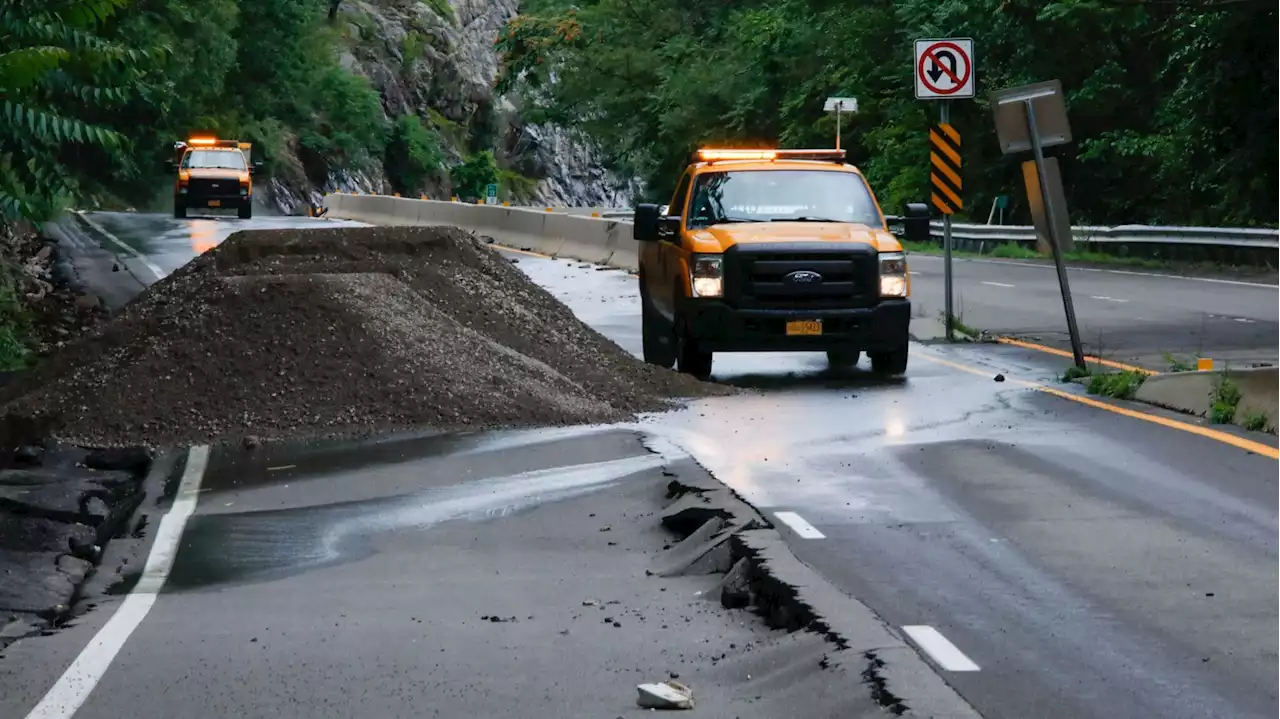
761, 276
214, 186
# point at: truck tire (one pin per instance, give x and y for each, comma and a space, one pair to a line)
653, 329
692, 360
892, 362
246, 212
179, 210
843, 359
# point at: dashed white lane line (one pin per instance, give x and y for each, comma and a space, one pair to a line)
799, 525
78, 681
1106, 299
155, 269
997, 284
942, 651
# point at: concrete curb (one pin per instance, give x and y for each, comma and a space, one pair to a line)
1192, 392
791, 596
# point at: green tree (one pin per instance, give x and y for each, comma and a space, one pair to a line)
413, 154
472, 176
50, 73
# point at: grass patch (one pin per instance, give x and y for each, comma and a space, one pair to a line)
1074, 373
1256, 421
1119, 385
15, 324
1178, 364
1225, 398
454, 132
514, 187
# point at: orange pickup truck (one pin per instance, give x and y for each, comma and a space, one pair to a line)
774, 250
213, 174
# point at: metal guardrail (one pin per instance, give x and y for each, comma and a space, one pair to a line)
1123, 235
1119, 235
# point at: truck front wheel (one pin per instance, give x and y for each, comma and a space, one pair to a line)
693, 360
843, 359
179, 210
246, 211
891, 362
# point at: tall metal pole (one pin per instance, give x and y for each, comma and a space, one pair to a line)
839, 112
945, 113
1077, 350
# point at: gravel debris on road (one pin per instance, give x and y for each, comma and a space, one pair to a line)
345, 331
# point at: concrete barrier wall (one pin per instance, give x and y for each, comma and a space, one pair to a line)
1192, 392
557, 234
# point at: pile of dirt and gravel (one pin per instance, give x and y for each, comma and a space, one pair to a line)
283, 333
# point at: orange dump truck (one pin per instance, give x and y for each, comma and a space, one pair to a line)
774, 250
213, 174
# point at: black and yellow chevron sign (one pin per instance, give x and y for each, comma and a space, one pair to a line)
944, 169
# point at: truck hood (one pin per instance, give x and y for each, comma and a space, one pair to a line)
719, 238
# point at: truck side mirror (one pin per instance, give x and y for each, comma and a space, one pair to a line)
255, 167
645, 223
915, 222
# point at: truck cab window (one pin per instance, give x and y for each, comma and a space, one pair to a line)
782, 196
214, 160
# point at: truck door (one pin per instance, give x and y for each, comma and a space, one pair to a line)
665, 286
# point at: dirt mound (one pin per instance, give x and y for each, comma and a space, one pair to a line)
339, 331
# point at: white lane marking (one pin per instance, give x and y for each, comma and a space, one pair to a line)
801, 527
1161, 275
997, 284
1245, 320
75, 684
939, 649
155, 269
912, 272
1106, 299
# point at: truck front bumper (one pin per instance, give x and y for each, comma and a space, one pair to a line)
717, 327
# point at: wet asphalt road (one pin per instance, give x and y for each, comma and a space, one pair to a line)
1089, 564
1131, 317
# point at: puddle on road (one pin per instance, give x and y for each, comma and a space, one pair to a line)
260, 546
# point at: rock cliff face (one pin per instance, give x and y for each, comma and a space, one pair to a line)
436, 59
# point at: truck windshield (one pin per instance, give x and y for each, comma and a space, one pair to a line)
782, 195
214, 160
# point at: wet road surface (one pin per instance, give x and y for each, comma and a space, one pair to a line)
1128, 316
1089, 564
163, 244
1079, 562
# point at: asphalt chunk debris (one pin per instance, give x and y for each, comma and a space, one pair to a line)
339, 332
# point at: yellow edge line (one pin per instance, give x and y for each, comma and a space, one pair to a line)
1063, 353
1225, 438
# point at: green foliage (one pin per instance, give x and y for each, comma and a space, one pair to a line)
54, 73
473, 174
346, 123
15, 326
514, 187
1256, 421
1178, 364
1073, 373
1168, 103
1224, 399
443, 9
413, 154
1120, 385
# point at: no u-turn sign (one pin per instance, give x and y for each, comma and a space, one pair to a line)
944, 69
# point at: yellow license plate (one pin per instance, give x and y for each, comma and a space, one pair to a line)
215, 203
804, 327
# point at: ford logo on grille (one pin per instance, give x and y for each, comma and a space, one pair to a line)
803, 277
214, 185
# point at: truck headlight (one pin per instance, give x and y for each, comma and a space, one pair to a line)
893, 274
707, 276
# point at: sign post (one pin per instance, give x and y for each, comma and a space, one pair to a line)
840, 105
1035, 117
491, 194
944, 71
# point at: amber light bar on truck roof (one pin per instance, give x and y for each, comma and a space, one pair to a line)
714, 155
214, 142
